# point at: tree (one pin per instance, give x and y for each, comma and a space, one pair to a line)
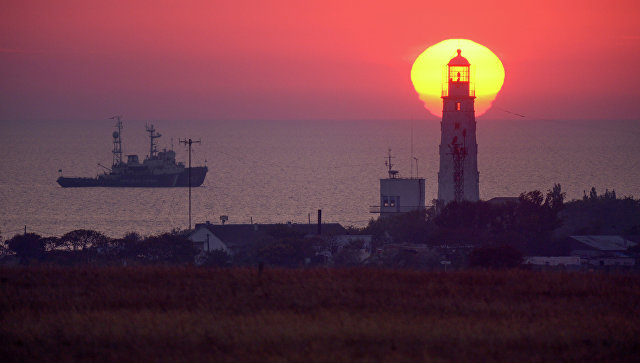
410, 227
165, 248
601, 214
527, 224
538, 217
27, 246
4, 248
464, 222
555, 198
51, 243
81, 239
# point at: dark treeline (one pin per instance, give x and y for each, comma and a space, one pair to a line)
526, 225
536, 224
87, 246
281, 246
493, 234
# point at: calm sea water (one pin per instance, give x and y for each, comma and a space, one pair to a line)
270, 172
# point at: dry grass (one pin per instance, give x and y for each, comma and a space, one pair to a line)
159, 313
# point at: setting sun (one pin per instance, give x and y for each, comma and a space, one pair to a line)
488, 73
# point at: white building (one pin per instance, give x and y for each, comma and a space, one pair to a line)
399, 195
458, 178
205, 240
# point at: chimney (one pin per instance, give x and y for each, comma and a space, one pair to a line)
319, 222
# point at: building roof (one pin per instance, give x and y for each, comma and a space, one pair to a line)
459, 60
605, 243
244, 234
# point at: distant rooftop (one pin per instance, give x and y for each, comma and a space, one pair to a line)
243, 234
605, 243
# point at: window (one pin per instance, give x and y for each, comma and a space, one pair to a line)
459, 73
457, 106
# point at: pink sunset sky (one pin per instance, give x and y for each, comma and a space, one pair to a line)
306, 60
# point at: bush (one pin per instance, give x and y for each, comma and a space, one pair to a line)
27, 246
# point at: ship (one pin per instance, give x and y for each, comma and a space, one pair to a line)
159, 169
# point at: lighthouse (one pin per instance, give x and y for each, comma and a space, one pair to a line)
458, 178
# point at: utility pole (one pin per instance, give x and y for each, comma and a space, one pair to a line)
117, 142
189, 142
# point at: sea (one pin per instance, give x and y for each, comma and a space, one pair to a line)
284, 171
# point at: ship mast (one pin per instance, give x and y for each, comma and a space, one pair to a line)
117, 142
153, 145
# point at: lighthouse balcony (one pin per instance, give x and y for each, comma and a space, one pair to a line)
458, 89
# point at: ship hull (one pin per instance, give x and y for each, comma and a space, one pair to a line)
198, 175
77, 182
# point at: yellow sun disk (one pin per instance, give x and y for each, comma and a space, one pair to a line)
426, 73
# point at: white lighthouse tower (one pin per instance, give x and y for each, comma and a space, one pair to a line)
458, 178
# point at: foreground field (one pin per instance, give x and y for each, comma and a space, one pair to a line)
189, 314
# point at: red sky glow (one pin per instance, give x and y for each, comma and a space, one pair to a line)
306, 60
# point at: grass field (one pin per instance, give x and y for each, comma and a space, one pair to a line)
194, 314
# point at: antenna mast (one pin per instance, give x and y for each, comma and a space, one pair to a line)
117, 142
459, 153
153, 145
188, 142
392, 173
